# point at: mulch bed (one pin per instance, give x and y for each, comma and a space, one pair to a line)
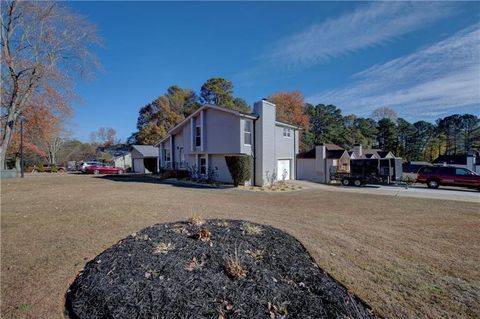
221, 269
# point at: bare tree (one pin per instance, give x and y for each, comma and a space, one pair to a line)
105, 136
384, 113
43, 45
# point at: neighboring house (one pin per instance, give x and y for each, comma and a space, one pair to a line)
360, 152
123, 161
321, 162
144, 159
204, 138
469, 160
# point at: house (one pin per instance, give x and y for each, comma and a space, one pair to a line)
469, 160
203, 139
323, 161
123, 161
144, 159
361, 153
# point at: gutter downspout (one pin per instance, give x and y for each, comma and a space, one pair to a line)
294, 151
254, 153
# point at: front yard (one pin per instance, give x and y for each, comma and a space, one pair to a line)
406, 257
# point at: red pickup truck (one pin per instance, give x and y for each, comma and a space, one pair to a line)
434, 176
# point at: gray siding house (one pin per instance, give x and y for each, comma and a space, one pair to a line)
204, 138
144, 159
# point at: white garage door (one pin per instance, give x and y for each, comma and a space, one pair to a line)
283, 169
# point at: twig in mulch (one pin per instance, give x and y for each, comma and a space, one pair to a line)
196, 263
196, 220
277, 311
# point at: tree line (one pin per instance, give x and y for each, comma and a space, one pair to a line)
320, 123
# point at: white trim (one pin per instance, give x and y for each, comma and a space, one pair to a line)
192, 135
202, 127
282, 124
171, 148
197, 125
243, 132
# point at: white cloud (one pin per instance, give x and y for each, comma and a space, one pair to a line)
367, 26
432, 81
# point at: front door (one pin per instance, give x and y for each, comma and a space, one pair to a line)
283, 170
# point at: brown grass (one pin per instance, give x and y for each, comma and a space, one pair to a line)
407, 257
256, 254
234, 268
196, 220
251, 229
163, 248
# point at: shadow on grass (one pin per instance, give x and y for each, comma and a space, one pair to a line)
155, 180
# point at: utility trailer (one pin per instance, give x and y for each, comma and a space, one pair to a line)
372, 171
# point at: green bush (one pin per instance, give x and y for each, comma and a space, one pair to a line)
53, 168
40, 168
240, 168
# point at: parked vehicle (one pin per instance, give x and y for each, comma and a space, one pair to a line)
372, 171
83, 165
103, 169
434, 176
48, 168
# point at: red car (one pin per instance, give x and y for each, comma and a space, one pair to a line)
103, 169
434, 176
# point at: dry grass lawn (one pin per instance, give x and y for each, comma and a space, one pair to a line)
408, 258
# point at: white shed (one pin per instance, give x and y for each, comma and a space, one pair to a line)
144, 159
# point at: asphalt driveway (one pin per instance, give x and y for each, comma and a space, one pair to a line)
415, 191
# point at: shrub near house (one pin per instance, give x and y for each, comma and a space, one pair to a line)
240, 168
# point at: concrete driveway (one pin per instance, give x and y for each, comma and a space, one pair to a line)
418, 191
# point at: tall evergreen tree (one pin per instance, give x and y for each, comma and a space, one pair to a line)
327, 124
219, 91
387, 135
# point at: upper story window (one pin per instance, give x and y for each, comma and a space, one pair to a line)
198, 136
287, 132
247, 132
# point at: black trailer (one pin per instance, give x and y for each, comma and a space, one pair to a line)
372, 171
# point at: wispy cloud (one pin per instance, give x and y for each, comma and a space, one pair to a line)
367, 26
439, 79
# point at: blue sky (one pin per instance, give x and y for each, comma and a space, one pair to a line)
422, 58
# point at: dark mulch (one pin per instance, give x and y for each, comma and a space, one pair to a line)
189, 279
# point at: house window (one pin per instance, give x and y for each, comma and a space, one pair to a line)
287, 132
166, 155
181, 152
203, 165
247, 132
198, 136
181, 156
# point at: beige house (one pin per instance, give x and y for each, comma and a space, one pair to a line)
361, 152
321, 162
123, 161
